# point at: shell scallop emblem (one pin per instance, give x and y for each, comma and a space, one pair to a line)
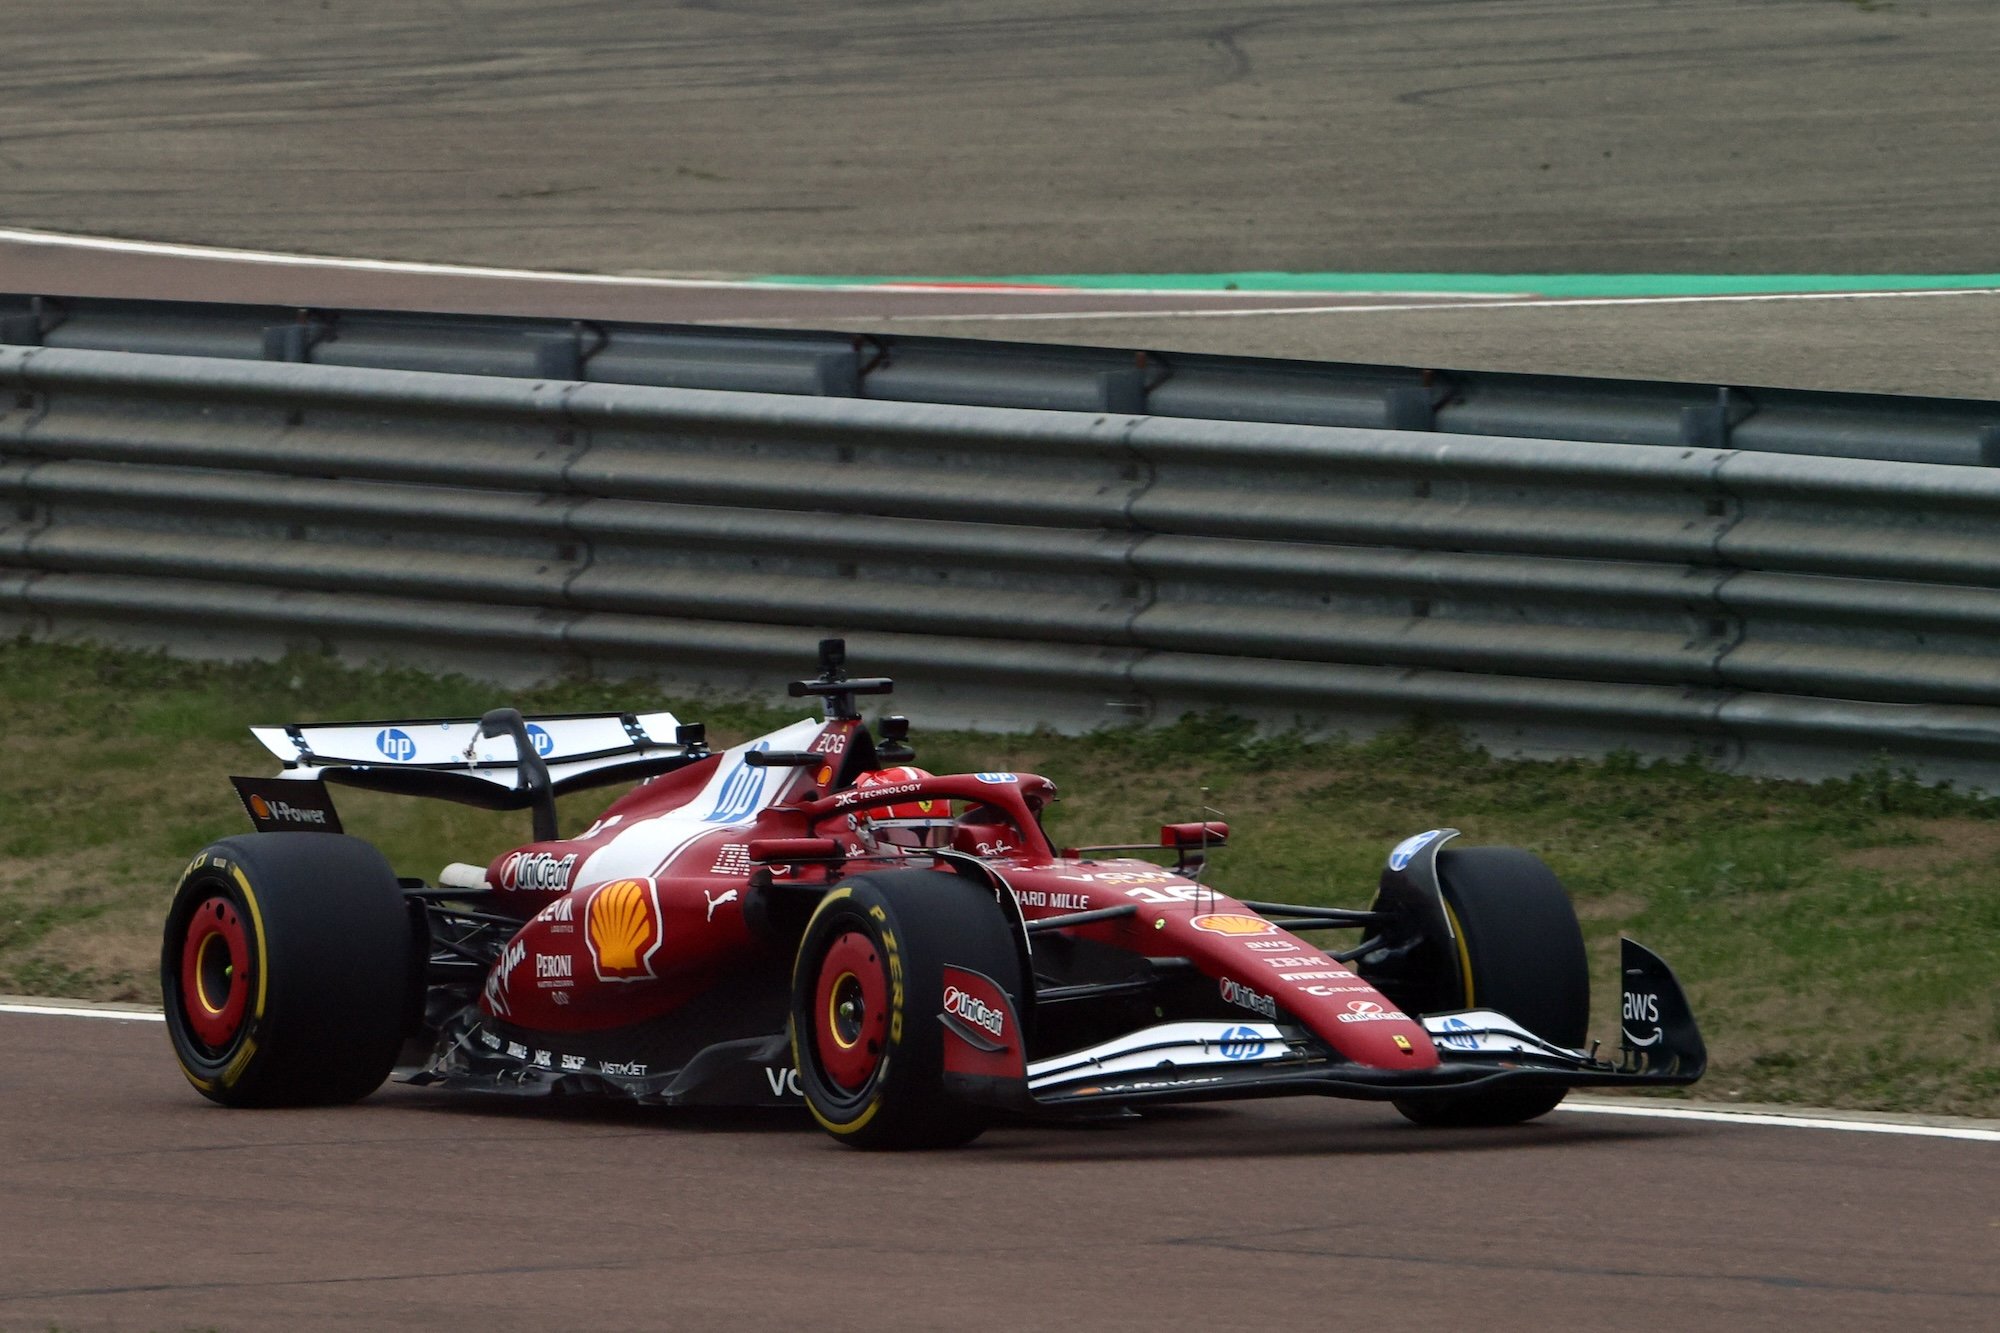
622, 926
1233, 923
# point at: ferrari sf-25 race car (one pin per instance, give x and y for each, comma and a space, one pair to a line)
807, 918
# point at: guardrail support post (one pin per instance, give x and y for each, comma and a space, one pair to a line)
31, 327
1123, 391
837, 375
1709, 426
1409, 407
294, 342
1989, 446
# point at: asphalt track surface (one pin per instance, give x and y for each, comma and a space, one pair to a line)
1021, 136
132, 1203
1073, 136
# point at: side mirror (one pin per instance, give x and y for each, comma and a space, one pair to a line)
795, 851
1186, 837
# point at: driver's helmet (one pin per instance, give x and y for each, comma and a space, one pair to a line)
910, 824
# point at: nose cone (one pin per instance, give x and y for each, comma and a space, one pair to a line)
1272, 971
1371, 1031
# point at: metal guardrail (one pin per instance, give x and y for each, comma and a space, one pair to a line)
1789, 612
1074, 379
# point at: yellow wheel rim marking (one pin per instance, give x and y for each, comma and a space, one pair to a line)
201, 976
833, 1012
798, 1055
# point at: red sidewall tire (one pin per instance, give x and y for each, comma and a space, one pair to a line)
216, 972
851, 997
286, 966
894, 933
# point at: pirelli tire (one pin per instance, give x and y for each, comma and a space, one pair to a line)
286, 970
867, 991
1521, 953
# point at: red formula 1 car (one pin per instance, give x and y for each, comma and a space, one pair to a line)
805, 918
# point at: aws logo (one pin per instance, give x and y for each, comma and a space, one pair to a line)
621, 924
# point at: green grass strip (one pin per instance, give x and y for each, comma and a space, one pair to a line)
1584, 285
1837, 938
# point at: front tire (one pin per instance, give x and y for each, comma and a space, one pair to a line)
867, 987
1520, 952
285, 968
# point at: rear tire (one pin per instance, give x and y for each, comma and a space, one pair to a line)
866, 990
286, 970
1521, 952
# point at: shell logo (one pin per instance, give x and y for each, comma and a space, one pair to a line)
259, 807
1233, 923
622, 927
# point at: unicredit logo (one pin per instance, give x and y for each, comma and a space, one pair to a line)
1367, 1011
1237, 993
536, 871
973, 1010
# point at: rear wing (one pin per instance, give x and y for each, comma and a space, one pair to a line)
449, 759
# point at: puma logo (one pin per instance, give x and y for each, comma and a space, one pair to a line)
728, 896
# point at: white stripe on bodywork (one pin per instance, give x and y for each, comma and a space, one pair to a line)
644, 846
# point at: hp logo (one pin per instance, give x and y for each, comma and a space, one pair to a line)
395, 743
544, 743
741, 793
1406, 850
1240, 1043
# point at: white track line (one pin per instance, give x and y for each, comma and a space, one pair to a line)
76, 1011
1787, 1121
116, 245
1316, 302
1781, 1121
1499, 303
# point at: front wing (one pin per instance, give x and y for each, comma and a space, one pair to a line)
1479, 1050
